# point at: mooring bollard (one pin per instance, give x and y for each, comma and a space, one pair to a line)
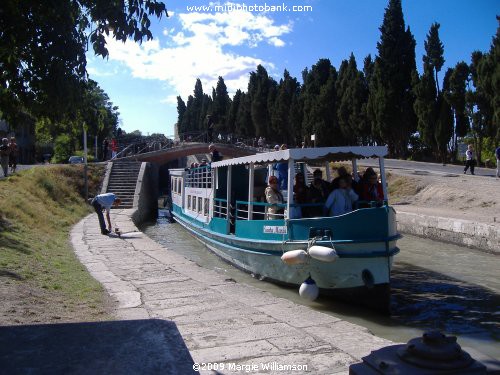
432, 354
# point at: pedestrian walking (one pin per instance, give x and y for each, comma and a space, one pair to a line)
14, 152
470, 160
105, 202
4, 156
114, 148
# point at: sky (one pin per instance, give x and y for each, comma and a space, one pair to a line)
143, 80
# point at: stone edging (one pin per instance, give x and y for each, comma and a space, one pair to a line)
458, 231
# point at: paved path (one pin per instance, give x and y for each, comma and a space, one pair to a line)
221, 321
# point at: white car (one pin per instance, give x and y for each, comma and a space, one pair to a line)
76, 160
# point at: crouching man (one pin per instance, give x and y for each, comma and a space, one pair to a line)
105, 201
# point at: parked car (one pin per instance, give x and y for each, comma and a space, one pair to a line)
75, 159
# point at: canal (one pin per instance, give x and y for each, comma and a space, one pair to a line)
434, 285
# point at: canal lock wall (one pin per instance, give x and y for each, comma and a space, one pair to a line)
461, 232
145, 204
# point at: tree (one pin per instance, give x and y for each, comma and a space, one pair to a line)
221, 104
232, 114
43, 46
433, 58
315, 108
244, 124
426, 107
455, 95
181, 110
391, 98
444, 122
352, 95
258, 91
280, 119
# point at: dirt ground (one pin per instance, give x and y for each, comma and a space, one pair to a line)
465, 197
23, 303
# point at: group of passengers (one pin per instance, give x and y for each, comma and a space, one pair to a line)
322, 198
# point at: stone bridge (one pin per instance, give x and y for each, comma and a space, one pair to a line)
164, 156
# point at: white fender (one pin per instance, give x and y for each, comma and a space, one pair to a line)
294, 257
323, 253
309, 290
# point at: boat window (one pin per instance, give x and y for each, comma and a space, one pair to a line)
189, 202
206, 207
200, 204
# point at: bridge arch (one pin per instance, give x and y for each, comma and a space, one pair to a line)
161, 157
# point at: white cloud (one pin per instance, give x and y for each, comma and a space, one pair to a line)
202, 48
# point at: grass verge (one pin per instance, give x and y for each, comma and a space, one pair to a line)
42, 280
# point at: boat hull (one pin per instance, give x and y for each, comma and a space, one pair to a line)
360, 280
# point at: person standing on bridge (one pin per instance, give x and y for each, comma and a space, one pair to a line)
214, 154
470, 160
114, 148
104, 202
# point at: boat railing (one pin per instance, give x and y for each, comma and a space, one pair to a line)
199, 177
220, 208
261, 213
243, 209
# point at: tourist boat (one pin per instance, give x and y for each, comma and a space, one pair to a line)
348, 256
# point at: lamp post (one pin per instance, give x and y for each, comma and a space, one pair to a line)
85, 178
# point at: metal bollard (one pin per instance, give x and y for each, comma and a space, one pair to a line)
432, 354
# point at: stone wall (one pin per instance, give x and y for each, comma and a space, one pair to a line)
146, 194
457, 231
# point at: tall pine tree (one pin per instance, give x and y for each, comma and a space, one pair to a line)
391, 98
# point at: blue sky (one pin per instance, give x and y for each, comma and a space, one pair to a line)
144, 80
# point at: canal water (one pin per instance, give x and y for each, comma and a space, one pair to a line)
434, 286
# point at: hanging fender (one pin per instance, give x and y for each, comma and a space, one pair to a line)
294, 257
323, 253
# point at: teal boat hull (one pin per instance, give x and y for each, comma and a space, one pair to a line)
360, 275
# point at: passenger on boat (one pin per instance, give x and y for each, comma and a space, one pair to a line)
371, 189
282, 168
316, 194
299, 196
325, 186
342, 171
340, 200
274, 197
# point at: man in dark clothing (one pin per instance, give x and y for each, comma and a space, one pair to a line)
215, 155
105, 147
4, 156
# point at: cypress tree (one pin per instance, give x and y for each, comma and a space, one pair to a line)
244, 124
232, 114
313, 119
258, 90
221, 104
444, 122
434, 50
181, 109
391, 98
280, 119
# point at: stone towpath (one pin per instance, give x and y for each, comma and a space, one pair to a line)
221, 321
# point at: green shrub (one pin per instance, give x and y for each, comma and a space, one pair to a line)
63, 148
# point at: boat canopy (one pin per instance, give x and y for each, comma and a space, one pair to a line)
333, 154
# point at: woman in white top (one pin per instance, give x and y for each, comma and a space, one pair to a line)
340, 200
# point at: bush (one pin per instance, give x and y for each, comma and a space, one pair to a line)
63, 148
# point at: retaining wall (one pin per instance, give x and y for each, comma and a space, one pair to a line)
146, 194
457, 231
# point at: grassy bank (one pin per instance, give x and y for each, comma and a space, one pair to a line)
41, 279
